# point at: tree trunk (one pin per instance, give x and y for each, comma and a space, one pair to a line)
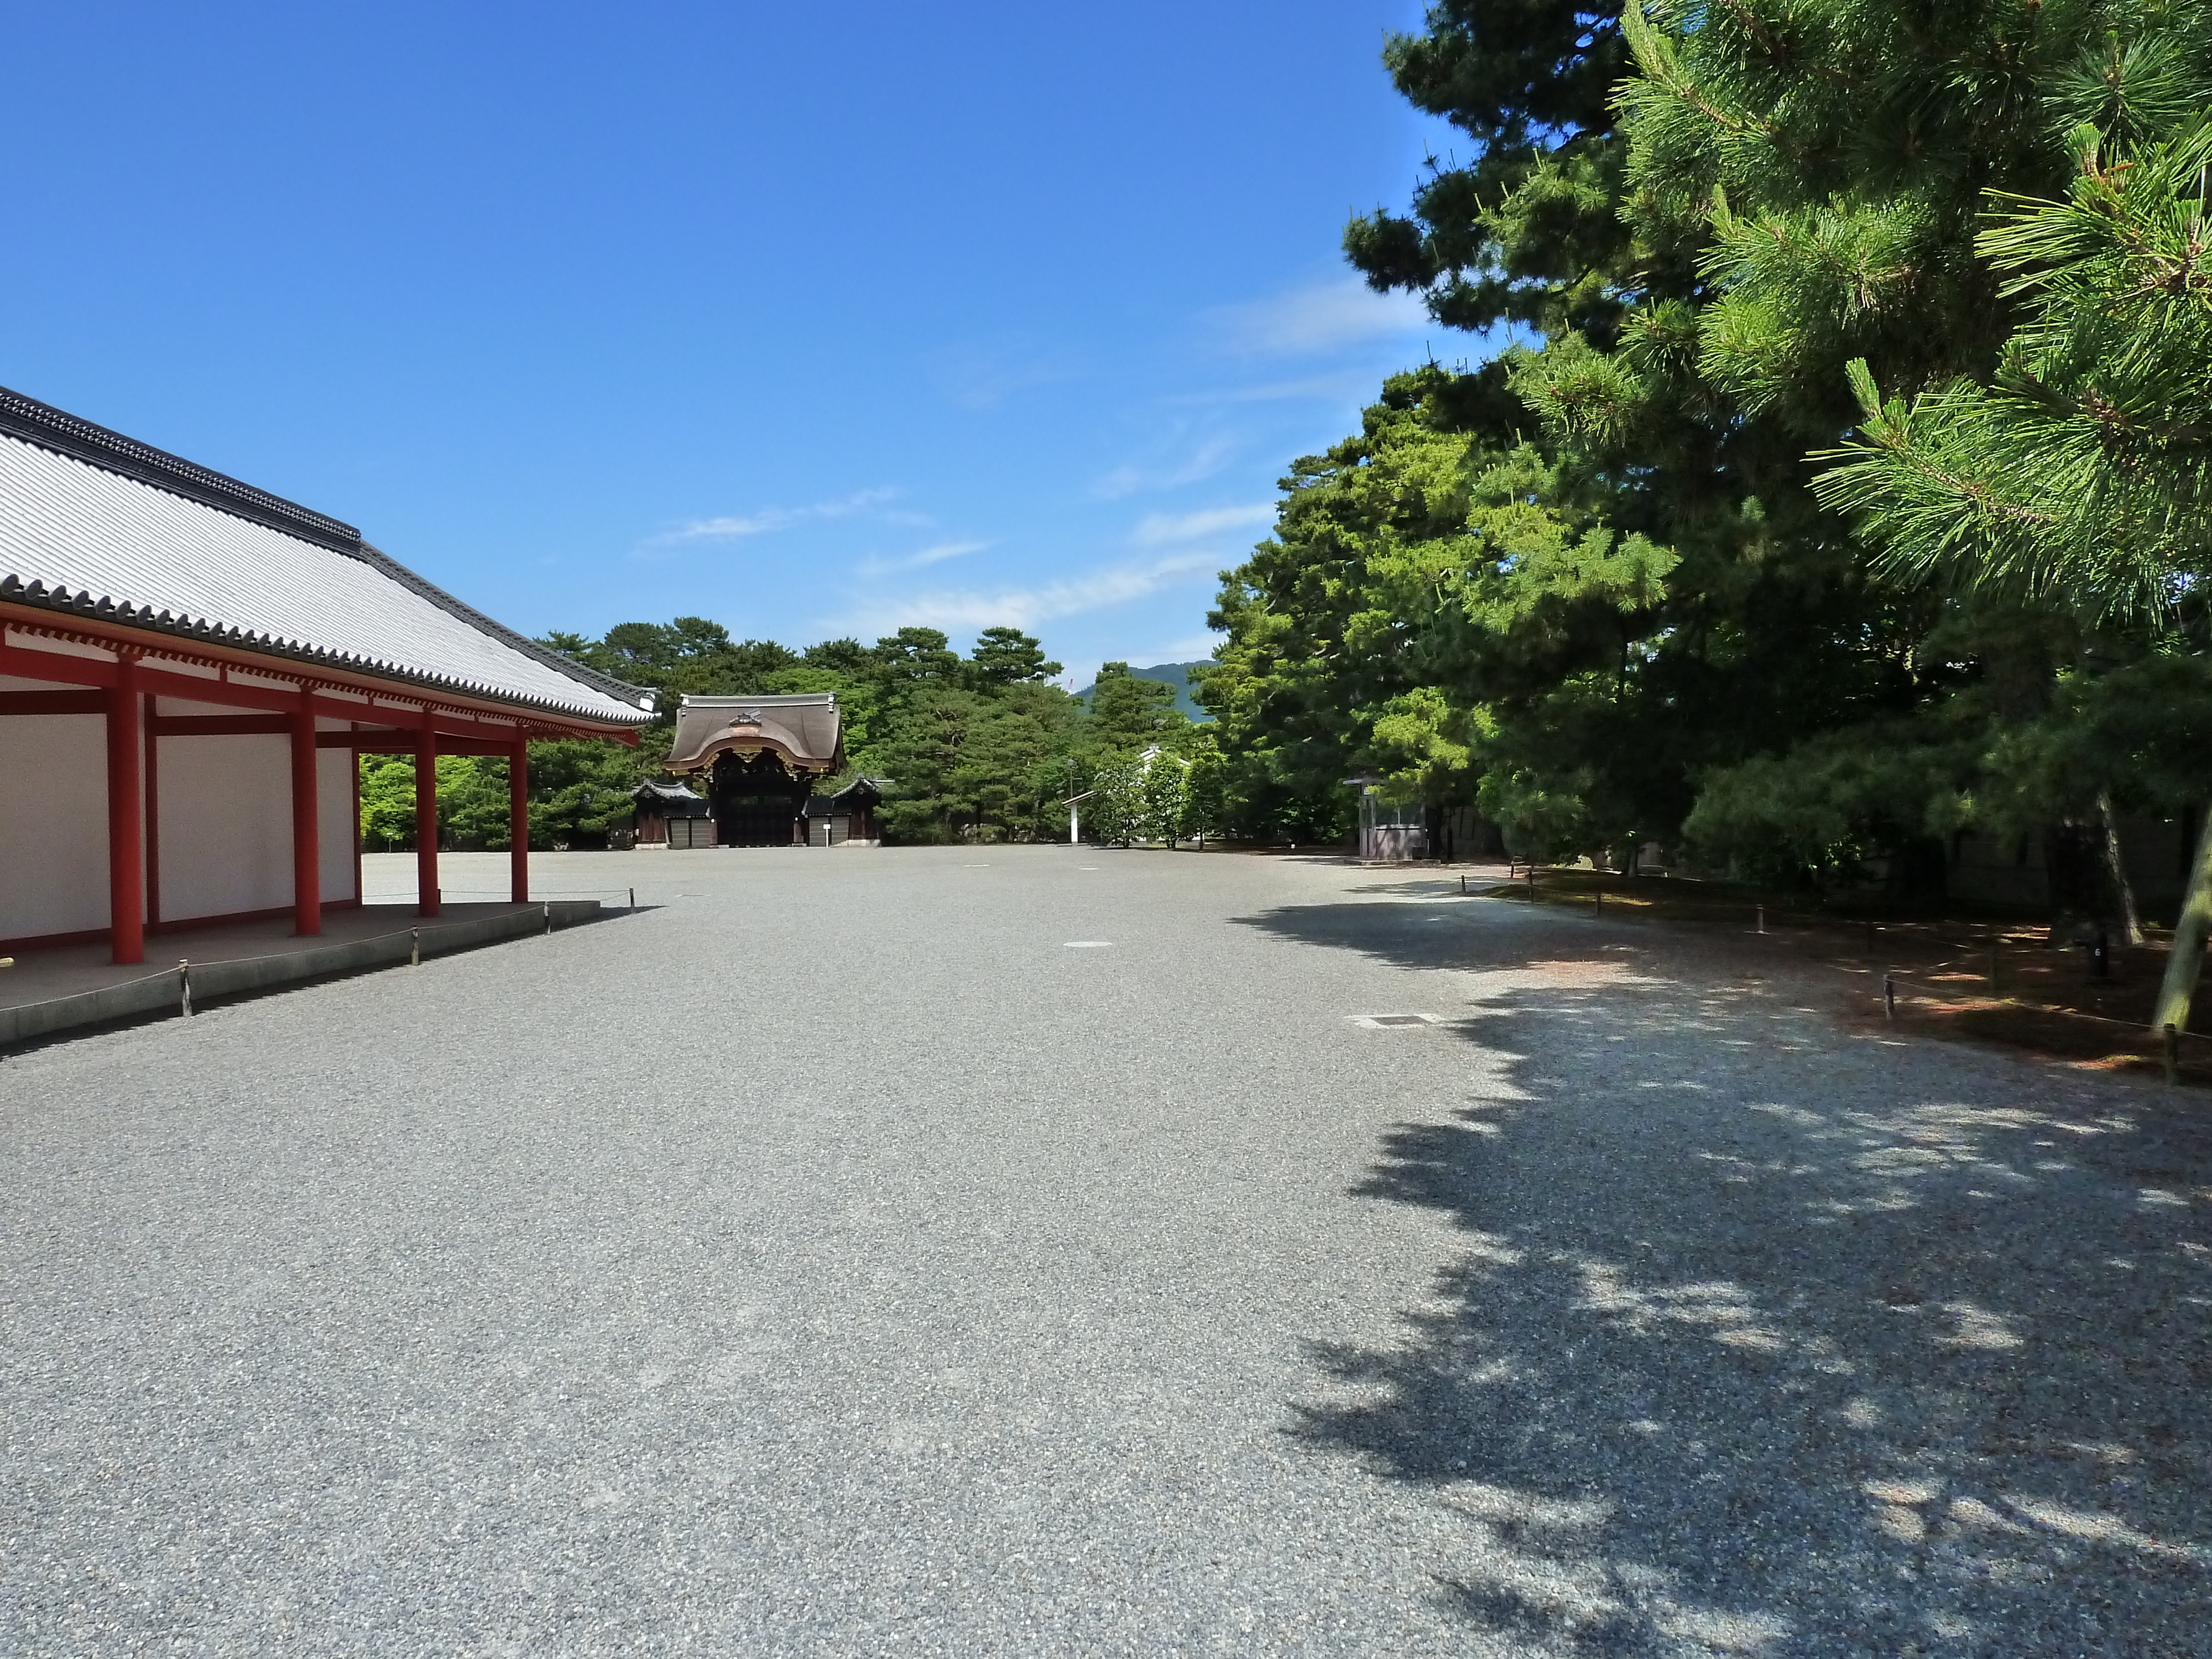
2189, 932
2116, 866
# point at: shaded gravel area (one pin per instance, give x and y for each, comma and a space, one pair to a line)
828, 1259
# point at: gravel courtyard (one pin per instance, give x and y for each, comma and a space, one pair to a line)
1028, 1251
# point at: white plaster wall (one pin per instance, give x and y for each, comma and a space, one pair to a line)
337, 829
53, 822
225, 825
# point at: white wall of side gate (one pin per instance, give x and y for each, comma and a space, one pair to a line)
225, 825
337, 830
54, 820
225, 822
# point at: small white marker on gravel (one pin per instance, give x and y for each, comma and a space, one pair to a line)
1088, 944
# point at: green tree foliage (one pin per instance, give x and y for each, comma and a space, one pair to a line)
1006, 656
579, 792
2080, 475
1207, 800
1832, 165
1170, 793
387, 803
1598, 585
1128, 713
973, 748
579, 797
1527, 233
981, 747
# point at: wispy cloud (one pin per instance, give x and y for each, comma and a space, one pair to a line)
736, 527
1352, 383
1318, 318
955, 610
984, 374
1201, 461
1192, 647
922, 561
1160, 529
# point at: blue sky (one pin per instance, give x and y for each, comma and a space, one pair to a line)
812, 320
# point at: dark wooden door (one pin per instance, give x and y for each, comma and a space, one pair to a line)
755, 801
755, 820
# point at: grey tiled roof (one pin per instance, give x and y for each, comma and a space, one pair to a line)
94, 524
826, 801
673, 796
803, 728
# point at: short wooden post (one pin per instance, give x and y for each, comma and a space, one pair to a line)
414, 947
549, 916
185, 988
2170, 1042
1762, 918
633, 898
1888, 995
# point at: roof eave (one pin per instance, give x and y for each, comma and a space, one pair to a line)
124, 614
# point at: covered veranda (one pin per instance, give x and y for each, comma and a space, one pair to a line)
190, 669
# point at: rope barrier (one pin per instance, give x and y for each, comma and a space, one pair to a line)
1988, 960
541, 894
1892, 977
183, 971
1759, 912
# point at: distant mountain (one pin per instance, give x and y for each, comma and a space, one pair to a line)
1176, 674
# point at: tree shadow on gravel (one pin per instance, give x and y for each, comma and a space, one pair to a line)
1767, 1338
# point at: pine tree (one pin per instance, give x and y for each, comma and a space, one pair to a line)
2078, 477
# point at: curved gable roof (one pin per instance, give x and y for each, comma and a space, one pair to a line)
804, 730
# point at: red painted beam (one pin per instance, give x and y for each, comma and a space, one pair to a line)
220, 725
31, 663
400, 740
374, 745
53, 703
397, 740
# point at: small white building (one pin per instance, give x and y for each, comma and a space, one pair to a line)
189, 669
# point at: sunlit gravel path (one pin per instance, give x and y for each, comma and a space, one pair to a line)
1028, 1251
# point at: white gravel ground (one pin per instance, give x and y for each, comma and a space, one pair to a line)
827, 1259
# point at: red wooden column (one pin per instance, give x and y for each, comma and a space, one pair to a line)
517, 819
426, 819
152, 814
307, 820
126, 848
